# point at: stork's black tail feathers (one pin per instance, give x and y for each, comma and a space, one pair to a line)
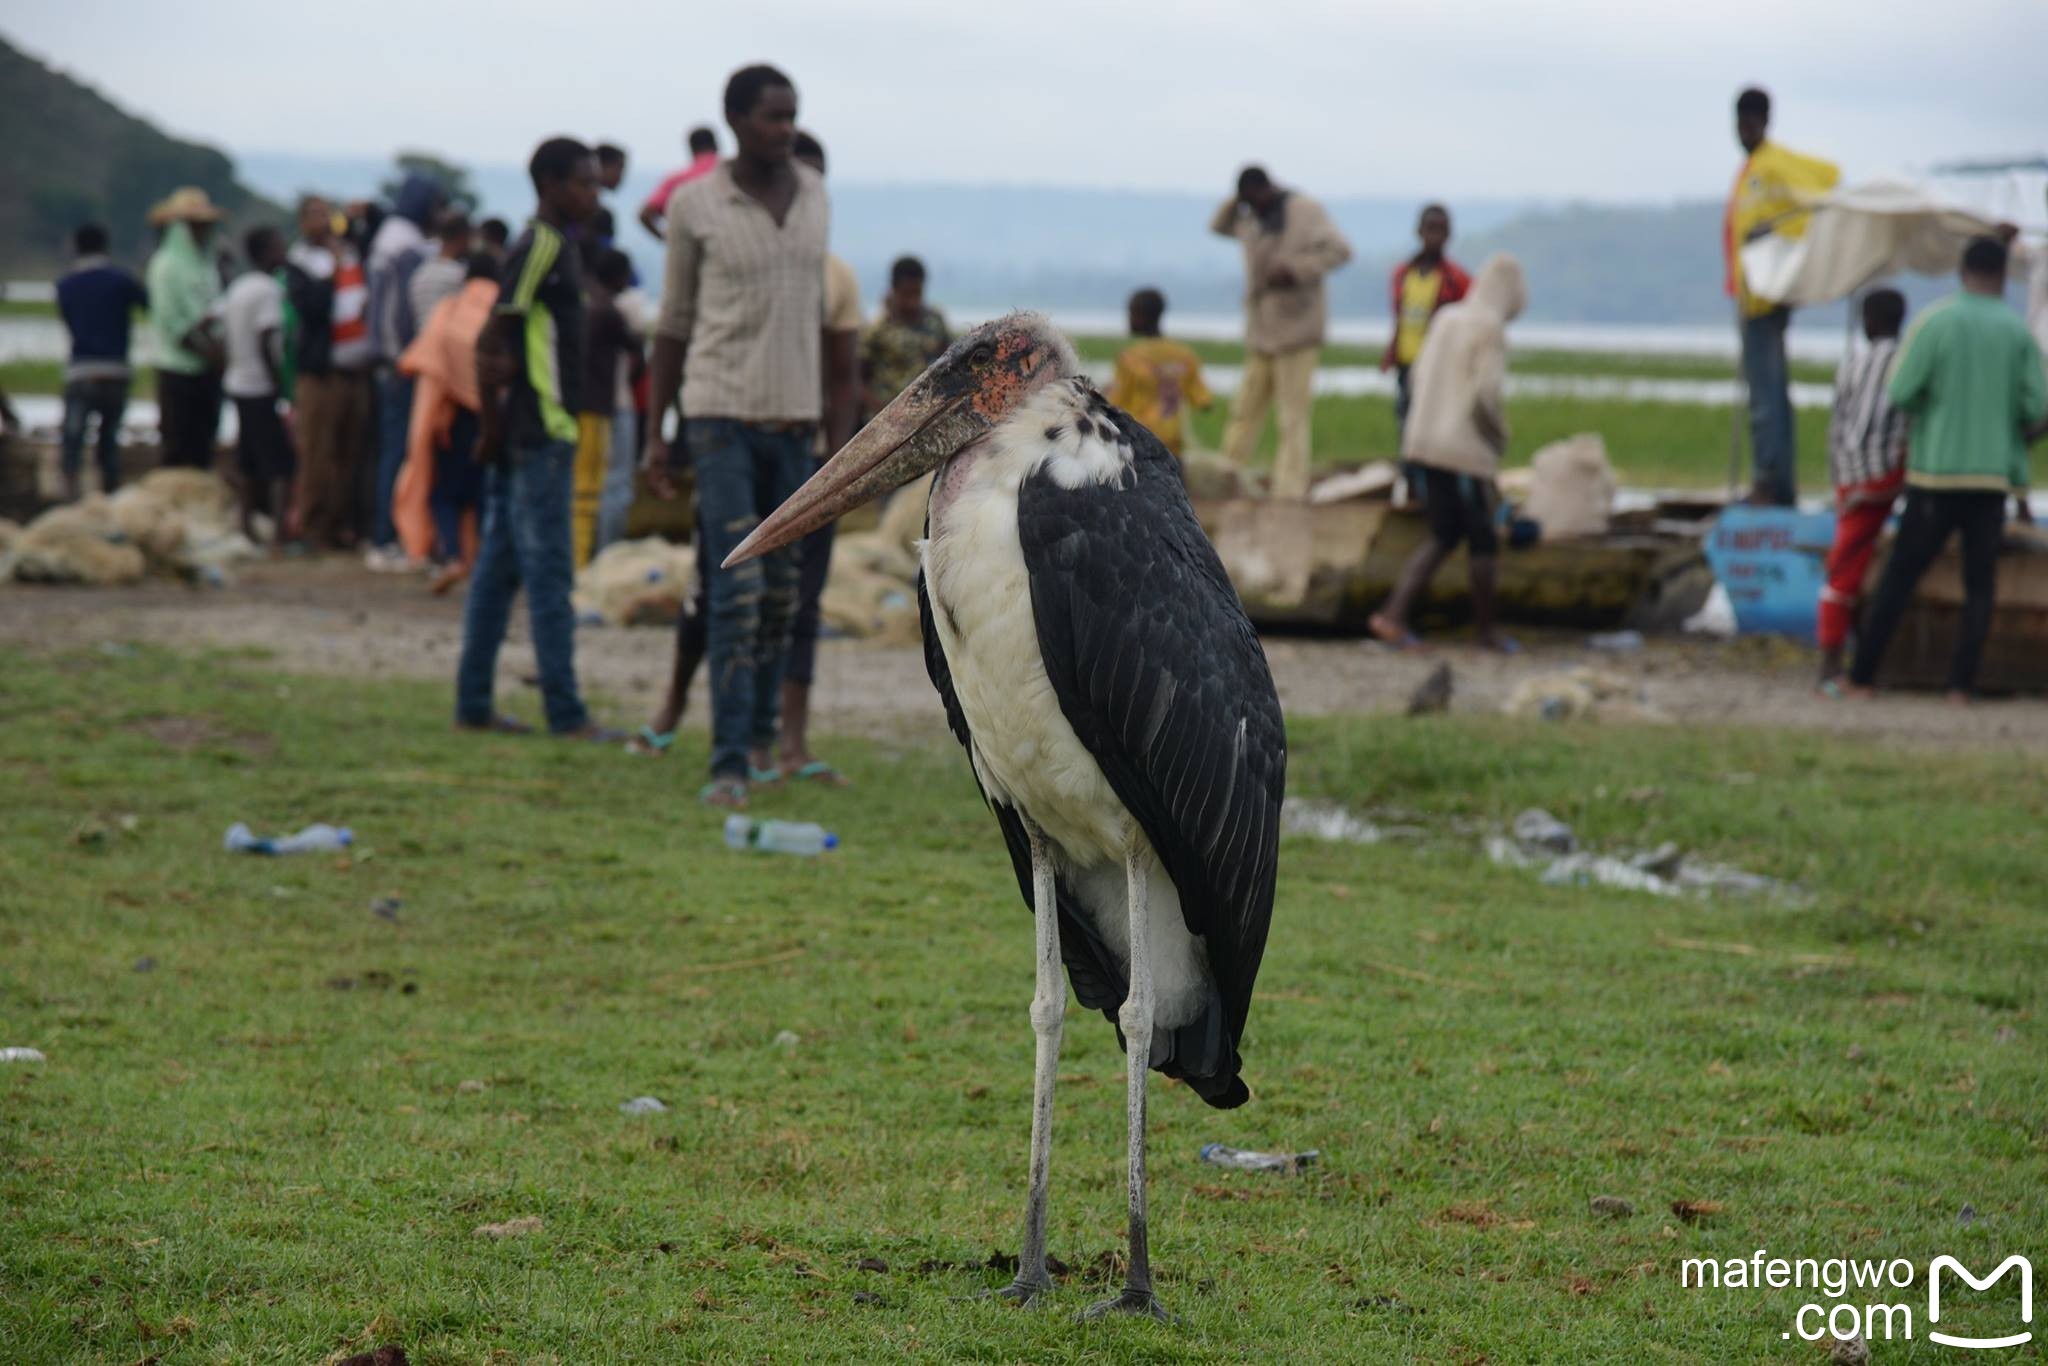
1199, 1053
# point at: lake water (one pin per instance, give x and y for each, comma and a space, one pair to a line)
44, 338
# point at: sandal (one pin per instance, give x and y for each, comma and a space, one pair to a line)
730, 793
651, 743
818, 771
763, 777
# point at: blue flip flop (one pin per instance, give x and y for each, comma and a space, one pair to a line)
650, 742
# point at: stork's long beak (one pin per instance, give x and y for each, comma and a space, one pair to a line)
914, 434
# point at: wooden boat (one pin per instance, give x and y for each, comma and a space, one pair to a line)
1329, 566
2015, 654
1771, 560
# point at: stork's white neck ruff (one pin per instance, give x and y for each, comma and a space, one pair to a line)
1024, 750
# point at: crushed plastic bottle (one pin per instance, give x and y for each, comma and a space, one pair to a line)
1244, 1160
314, 839
778, 837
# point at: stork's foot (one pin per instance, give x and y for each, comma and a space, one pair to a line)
1023, 1292
1132, 1301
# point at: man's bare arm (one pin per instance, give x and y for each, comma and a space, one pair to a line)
664, 382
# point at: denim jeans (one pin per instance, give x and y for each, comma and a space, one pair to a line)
617, 499
525, 540
106, 400
744, 472
394, 424
1772, 474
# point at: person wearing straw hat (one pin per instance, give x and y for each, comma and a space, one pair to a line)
183, 289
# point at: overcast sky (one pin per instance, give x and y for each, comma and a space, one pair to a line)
1594, 99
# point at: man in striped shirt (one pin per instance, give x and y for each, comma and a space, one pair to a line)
1867, 465
739, 334
529, 365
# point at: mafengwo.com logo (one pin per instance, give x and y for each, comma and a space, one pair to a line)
1851, 1288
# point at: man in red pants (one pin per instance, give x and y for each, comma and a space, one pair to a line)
1867, 465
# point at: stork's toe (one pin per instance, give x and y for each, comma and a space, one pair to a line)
1024, 1293
1132, 1301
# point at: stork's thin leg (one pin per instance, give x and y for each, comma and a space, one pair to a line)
1048, 1017
1136, 1019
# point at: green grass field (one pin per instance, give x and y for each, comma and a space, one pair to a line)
271, 1120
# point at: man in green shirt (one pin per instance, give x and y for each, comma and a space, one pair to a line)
1970, 375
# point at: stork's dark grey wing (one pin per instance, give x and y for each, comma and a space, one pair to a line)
1097, 980
1162, 677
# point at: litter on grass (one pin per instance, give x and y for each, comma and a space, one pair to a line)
642, 1105
1539, 828
1541, 841
314, 839
1244, 1160
1327, 821
22, 1055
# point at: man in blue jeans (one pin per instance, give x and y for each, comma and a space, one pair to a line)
1769, 196
98, 301
529, 364
740, 336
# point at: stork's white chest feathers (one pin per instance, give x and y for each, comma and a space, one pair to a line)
1025, 752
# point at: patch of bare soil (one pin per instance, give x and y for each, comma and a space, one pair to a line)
329, 616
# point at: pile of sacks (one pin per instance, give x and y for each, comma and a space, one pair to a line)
177, 522
1567, 488
1581, 694
632, 583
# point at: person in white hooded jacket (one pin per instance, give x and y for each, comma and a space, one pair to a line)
1456, 431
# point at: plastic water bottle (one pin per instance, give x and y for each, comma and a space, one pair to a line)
314, 839
1244, 1160
778, 837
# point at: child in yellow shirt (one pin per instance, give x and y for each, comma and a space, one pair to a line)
1155, 378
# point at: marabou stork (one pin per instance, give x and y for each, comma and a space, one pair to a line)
1114, 701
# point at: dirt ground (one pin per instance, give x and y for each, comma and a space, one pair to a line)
330, 616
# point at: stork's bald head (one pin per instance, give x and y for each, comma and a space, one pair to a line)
963, 396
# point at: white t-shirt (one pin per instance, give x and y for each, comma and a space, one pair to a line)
253, 305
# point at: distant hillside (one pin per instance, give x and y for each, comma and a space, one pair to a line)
70, 156
1075, 250
1616, 263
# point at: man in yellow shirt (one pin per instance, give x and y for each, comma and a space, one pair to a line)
1156, 378
1767, 197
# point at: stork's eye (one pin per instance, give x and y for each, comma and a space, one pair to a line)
981, 355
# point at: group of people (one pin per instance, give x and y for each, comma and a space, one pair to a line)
1944, 415
423, 387
759, 349
307, 341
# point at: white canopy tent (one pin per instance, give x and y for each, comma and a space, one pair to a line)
1862, 233
1858, 234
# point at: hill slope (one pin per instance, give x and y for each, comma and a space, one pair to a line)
71, 156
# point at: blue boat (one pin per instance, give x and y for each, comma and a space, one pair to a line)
1772, 562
